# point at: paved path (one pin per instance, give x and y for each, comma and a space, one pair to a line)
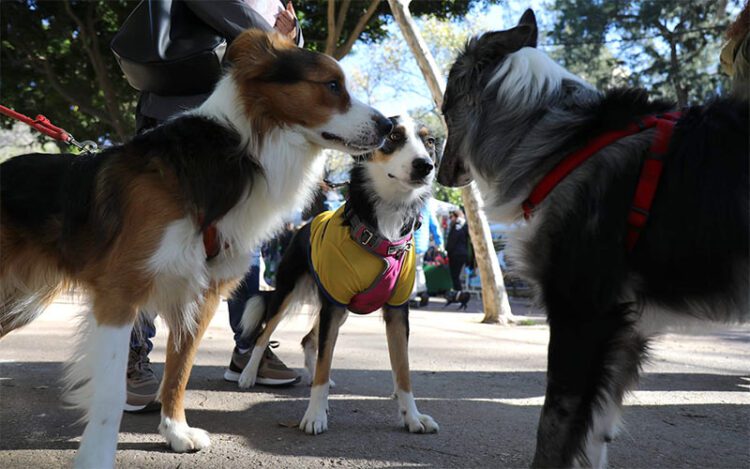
482, 383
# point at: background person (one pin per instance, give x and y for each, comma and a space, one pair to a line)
229, 18
457, 246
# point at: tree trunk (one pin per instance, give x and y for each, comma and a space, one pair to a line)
494, 295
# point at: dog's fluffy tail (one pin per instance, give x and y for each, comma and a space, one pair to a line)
304, 294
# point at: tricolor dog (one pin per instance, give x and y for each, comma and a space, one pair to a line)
357, 258
166, 222
637, 218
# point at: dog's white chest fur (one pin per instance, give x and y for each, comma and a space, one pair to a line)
179, 266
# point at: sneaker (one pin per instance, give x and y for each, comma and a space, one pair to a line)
142, 385
271, 372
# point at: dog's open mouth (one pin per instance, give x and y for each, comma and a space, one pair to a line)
346, 143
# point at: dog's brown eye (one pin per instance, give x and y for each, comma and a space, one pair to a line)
394, 137
334, 87
430, 142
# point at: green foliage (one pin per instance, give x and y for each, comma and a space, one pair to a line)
669, 46
56, 61
313, 18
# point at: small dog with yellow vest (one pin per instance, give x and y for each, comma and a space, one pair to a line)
358, 258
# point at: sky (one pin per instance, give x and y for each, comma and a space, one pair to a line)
391, 102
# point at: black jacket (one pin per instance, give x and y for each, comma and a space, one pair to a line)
457, 244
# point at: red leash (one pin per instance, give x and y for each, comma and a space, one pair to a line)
647, 183
43, 125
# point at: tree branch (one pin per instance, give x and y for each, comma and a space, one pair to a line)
331, 37
343, 10
68, 95
361, 24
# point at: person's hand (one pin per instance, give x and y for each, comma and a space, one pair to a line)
286, 22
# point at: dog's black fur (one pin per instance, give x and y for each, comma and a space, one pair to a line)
690, 262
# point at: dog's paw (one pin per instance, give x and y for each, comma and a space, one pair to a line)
183, 438
420, 423
314, 422
247, 378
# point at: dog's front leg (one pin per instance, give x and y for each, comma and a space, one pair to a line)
180, 355
397, 331
591, 365
96, 378
316, 417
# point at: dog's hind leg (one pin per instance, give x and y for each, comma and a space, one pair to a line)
315, 420
181, 349
590, 367
397, 332
292, 287
95, 378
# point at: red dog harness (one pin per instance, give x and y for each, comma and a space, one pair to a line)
647, 183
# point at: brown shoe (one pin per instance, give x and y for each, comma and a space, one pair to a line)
271, 371
142, 384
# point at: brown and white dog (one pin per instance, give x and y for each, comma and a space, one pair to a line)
166, 222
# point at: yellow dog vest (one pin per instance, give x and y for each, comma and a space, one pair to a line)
363, 278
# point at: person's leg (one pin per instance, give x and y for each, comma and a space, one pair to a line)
272, 371
142, 383
248, 288
456, 264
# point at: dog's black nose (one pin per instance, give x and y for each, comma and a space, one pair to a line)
422, 167
384, 125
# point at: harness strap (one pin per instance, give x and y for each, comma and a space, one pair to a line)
647, 183
370, 239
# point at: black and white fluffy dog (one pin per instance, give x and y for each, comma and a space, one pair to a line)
513, 115
387, 192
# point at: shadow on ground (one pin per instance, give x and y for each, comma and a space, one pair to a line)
477, 430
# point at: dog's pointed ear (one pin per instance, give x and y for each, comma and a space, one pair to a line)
252, 50
526, 31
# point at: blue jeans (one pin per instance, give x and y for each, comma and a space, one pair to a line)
144, 330
248, 288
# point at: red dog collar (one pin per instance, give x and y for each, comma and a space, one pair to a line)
647, 183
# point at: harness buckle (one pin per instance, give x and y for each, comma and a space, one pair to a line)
366, 237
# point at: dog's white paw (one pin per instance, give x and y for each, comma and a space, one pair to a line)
250, 372
183, 438
420, 423
247, 378
314, 422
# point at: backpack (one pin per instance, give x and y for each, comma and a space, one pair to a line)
164, 48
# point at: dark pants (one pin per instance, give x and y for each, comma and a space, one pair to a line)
144, 329
248, 288
456, 265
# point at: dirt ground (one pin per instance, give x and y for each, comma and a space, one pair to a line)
484, 385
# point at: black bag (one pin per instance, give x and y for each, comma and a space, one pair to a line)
164, 48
